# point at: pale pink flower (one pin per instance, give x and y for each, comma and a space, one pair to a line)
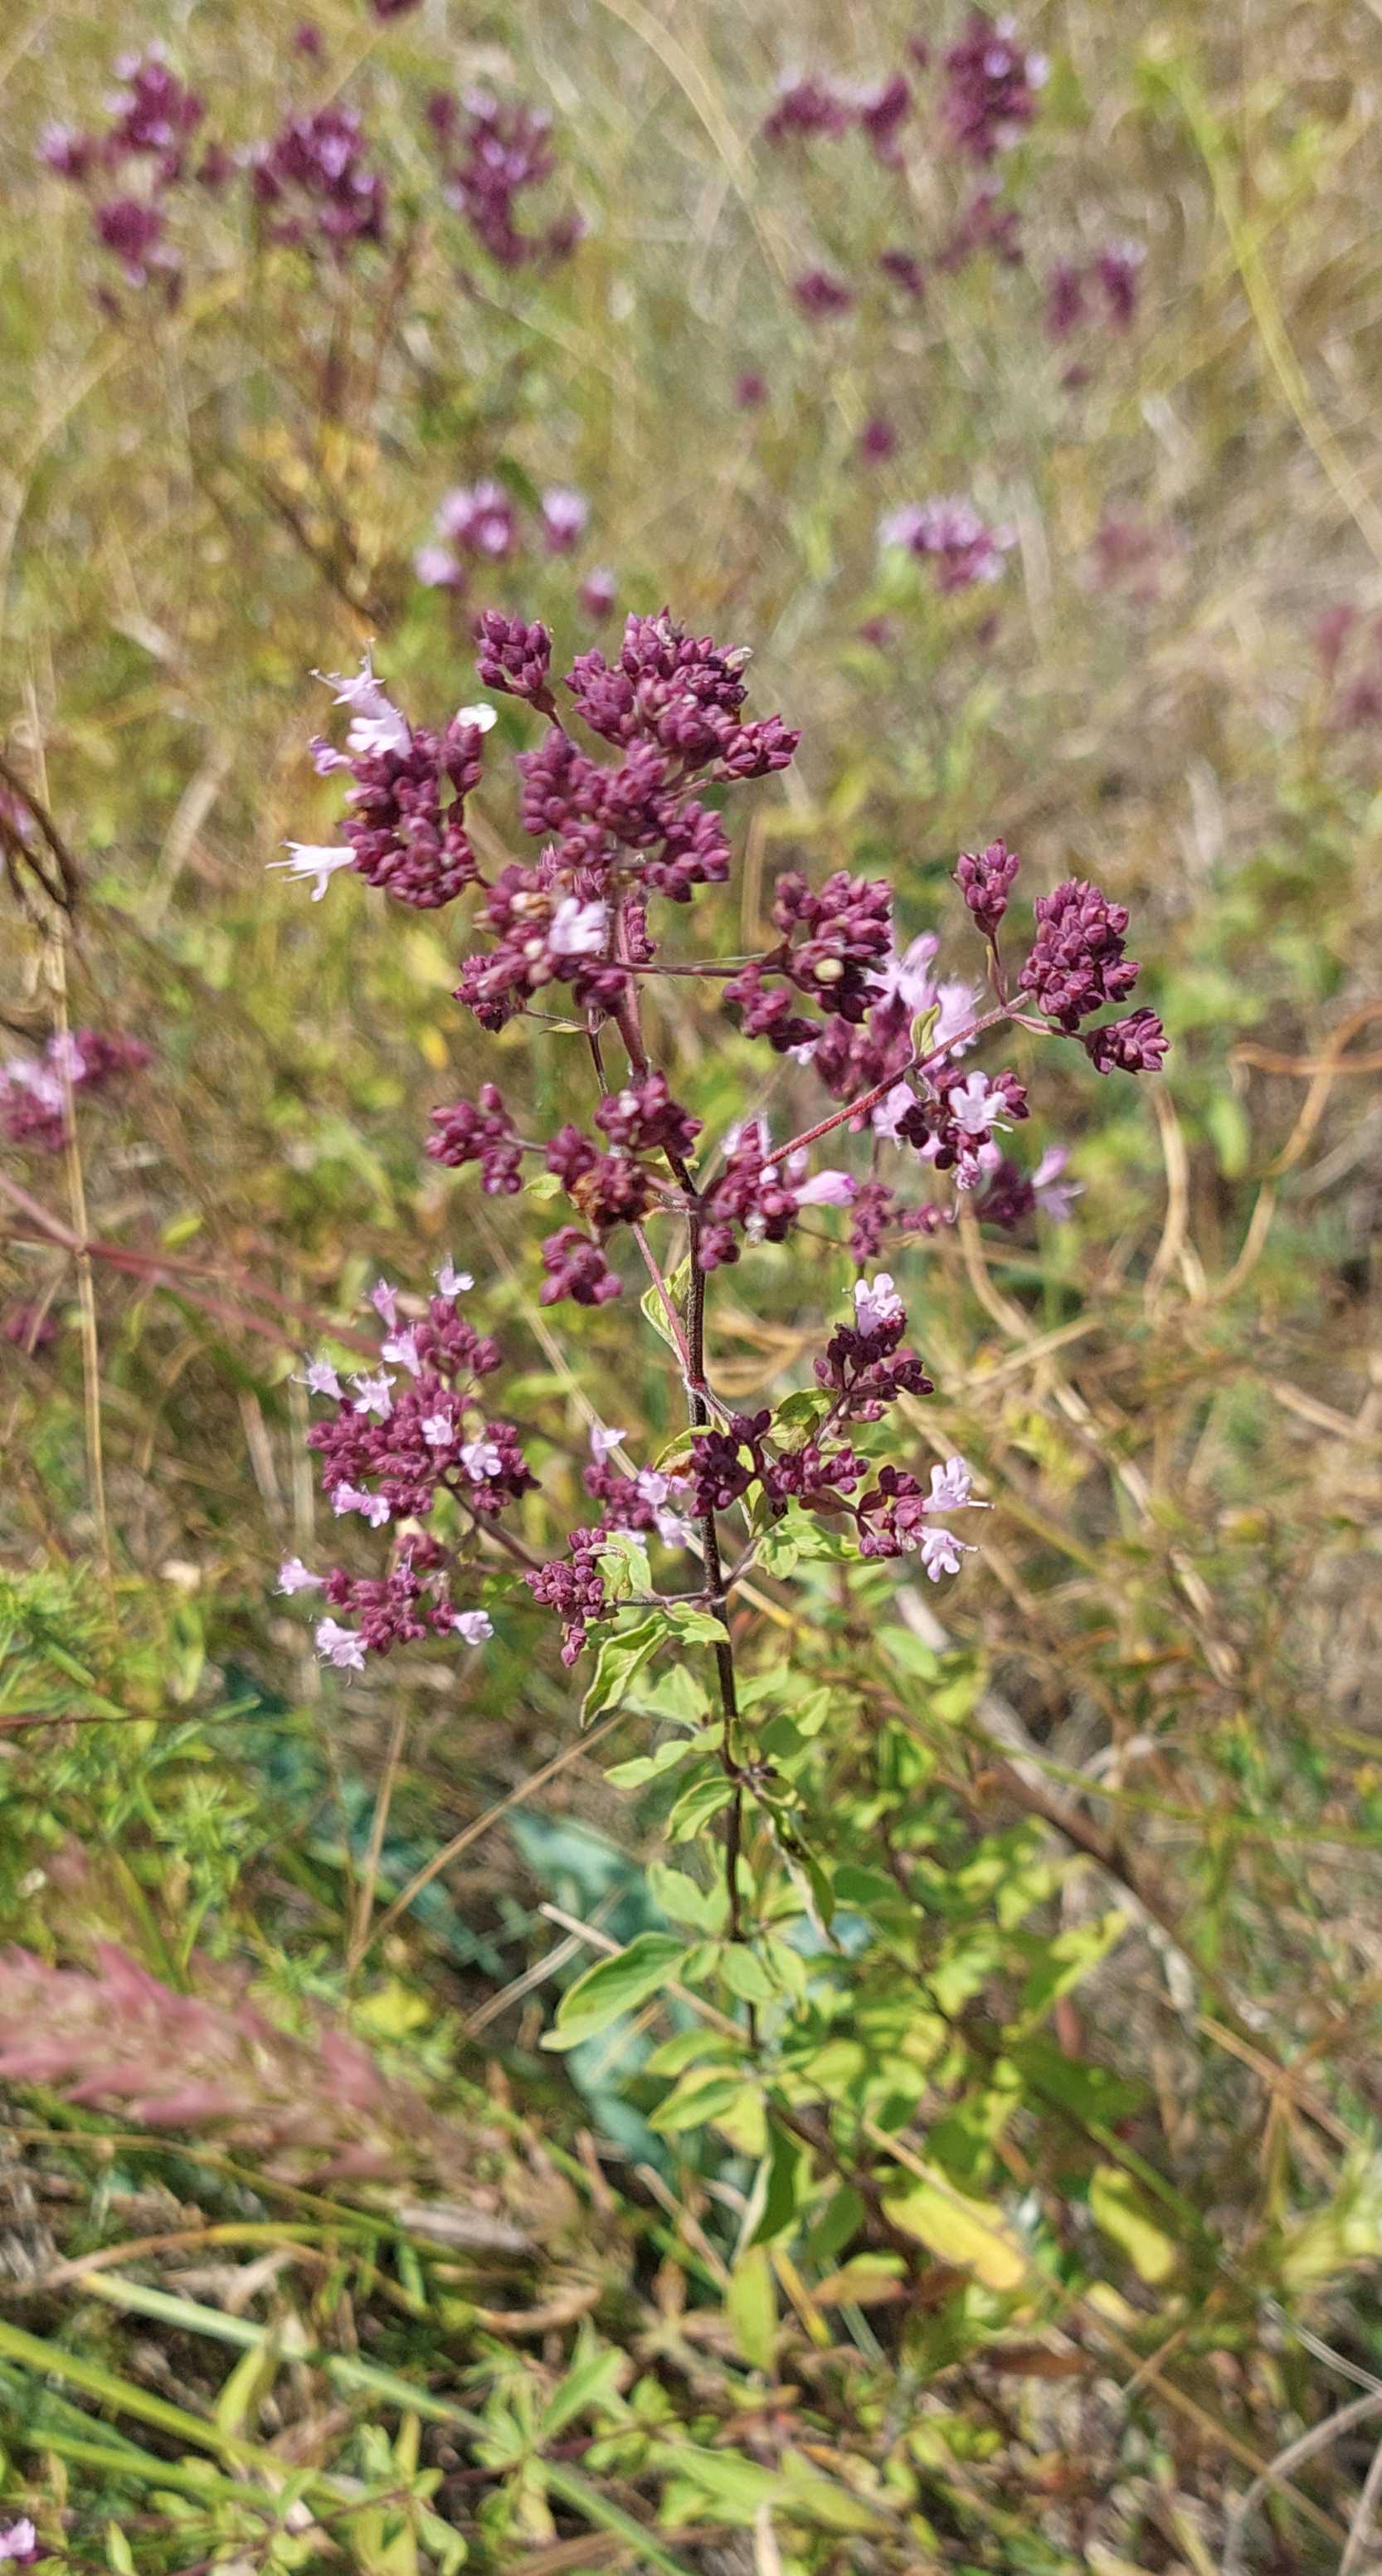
293, 1576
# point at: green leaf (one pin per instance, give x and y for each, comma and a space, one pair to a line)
590, 2388
696, 1627
786, 2183
679, 1288
745, 1974
1119, 2210
696, 1806
738, 2486
679, 1694
1062, 1962
704, 1908
624, 1565
619, 1658
616, 1986
751, 2307
701, 2096
650, 1766
959, 2230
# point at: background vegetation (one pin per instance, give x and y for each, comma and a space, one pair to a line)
1095, 2284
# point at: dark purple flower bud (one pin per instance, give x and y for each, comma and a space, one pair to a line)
314, 186
608, 1189
882, 116
751, 391
805, 108
307, 40
514, 655
991, 88
877, 441
576, 1268
216, 168
576, 1591
495, 156
818, 1478
904, 270
1137, 1044
598, 592
986, 225
725, 1463
820, 296
1077, 963
847, 926
645, 1119
1118, 270
479, 1132
1067, 300
985, 879
392, 8
963, 547
753, 750
134, 231
29, 1328
70, 154
766, 1011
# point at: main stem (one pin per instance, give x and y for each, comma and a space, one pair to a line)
629, 1022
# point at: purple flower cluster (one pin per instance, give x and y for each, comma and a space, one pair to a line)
986, 224
480, 1131
404, 822
963, 547
804, 108
1077, 966
480, 524
413, 1601
493, 156
34, 1088
736, 1461
1104, 288
671, 704
403, 1436
889, 1039
152, 120
820, 296
404, 1433
833, 943
991, 88
314, 186
985, 879
760, 1194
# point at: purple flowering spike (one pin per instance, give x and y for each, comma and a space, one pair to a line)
804, 108
514, 655
1135, 1045
985, 879
820, 296
991, 88
576, 1268
1077, 963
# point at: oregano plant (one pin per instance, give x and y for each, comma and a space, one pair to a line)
778, 1732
